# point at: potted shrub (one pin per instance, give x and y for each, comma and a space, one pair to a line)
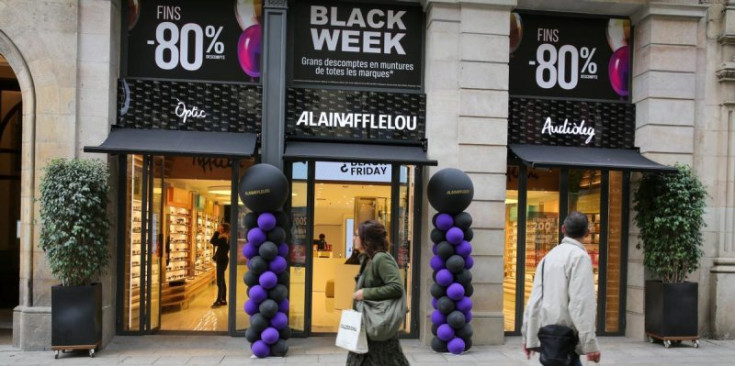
74, 232
669, 214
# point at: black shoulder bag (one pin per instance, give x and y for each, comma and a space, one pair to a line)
557, 341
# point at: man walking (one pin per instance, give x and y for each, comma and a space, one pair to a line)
568, 296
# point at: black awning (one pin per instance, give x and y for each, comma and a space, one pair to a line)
172, 142
586, 157
369, 153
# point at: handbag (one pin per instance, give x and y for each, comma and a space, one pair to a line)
557, 341
382, 318
351, 334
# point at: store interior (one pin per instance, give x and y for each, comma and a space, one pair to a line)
187, 207
543, 230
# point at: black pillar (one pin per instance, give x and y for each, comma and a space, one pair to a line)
274, 81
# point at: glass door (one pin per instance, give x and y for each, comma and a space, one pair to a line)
154, 244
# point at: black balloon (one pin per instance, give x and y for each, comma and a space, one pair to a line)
437, 290
251, 220
467, 343
285, 333
281, 219
264, 188
438, 345
437, 236
463, 220
277, 235
464, 277
444, 250
456, 319
278, 293
468, 290
450, 191
469, 234
250, 278
258, 265
258, 323
268, 250
434, 328
251, 335
268, 308
445, 305
279, 349
455, 264
283, 278
433, 218
465, 333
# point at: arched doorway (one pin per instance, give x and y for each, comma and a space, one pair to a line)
11, 113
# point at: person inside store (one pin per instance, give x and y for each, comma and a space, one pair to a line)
221, 242
563, 293
321, 243
380, 281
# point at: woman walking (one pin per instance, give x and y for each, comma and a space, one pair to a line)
380, 281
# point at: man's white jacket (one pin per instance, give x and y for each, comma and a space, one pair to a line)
568, 296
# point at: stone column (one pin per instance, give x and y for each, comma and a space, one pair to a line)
466, 82
665, 77
274, 81
721, 133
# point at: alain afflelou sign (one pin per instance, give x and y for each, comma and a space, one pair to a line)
357, 43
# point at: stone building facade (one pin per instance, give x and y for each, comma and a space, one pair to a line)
65, 55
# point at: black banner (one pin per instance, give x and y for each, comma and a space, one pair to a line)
189, 106
570, 57
355, 115
195, 40
571, 123
357, 43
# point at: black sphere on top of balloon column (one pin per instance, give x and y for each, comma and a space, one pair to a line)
264, 188
450, 191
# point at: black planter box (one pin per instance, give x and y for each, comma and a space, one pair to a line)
76, 316
671, 309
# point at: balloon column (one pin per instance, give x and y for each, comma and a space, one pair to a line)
450, 192
264, 190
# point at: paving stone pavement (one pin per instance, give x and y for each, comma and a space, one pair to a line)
224, 350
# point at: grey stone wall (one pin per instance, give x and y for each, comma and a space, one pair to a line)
64, 53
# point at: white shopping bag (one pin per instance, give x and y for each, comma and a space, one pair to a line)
351, 334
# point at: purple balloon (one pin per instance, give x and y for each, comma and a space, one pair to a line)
269, 335
438, 318
257, 293
248, 50
283, 306
464, 249
619, 71
279, 321
455, 291
456, 345
468, 316
249, 250
256, 236
455, 235
251, 307
283, 250
464, 305
260, 349
435, 249
266, 221
278, 265
445, 332
433, 302
444, 222
469, 262
436, 263
444, 277
268, 280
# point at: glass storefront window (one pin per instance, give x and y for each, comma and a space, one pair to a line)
298, 247
614, 253
542, 220
404, 244
133, 243
511, 249
585, 187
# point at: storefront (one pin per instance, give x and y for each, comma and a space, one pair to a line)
571, 148
189, 126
